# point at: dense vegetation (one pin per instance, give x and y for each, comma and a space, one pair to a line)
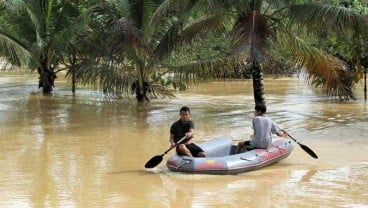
143, 47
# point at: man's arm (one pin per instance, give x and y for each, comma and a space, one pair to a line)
171, 140
282, 133
189, 134
278, 131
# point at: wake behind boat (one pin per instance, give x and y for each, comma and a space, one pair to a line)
221, 158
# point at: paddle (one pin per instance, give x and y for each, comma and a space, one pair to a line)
305, 148
154, 161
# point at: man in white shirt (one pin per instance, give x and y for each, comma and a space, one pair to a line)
263, 127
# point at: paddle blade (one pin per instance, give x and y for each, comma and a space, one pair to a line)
308, 150
153, 162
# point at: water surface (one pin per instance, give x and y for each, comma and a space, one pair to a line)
88, 151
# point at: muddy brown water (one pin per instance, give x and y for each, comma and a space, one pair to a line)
87, 151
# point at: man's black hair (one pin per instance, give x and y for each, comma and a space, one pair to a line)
184, 108
261, 107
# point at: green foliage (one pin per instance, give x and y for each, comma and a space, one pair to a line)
36, 34
110, 45
347, 45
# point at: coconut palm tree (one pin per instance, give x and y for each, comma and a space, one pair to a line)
141, 38
260, 24
257, 26
37, 33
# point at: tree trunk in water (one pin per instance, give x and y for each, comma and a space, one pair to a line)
141, 91
258, 90
73, 80
365, 85
141, 86
46, 79
73, 69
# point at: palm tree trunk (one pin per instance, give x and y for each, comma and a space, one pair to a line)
73, 69
46, 79
73, 81
258, 90
364, 62
141, 87
365, 85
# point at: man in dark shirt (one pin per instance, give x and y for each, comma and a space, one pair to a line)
185, 127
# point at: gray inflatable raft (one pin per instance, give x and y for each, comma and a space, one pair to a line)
221, 158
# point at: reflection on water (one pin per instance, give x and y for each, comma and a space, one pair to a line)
87, 151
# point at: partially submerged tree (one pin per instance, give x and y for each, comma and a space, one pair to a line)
132, 45
142, 36
330, 71
261, 24
36, 34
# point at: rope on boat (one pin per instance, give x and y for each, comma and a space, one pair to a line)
182, 163
242, 158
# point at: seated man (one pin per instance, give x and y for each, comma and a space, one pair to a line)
263, 128
185, 127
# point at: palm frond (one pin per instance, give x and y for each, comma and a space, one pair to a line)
177, 37
128, 37
15, 51
250, 35
318, 17
109, 77
328, 72
218, 68
14, 39
202, 26
29, 8
159, 90
34, 13
169, 8
77, 28
240, 6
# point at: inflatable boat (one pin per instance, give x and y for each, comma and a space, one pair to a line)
222, 159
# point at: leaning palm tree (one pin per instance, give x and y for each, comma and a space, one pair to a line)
37, 33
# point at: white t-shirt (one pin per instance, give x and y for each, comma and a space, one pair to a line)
263, 127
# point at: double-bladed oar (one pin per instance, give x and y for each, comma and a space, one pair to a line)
155, 160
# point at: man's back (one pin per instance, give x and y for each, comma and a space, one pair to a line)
263, 127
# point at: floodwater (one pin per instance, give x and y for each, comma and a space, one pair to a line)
88, 151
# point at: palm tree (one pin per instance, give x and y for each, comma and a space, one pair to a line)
141, 38
37, 33
260, 24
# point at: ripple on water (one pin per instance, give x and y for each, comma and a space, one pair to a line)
4, 107
332, 186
